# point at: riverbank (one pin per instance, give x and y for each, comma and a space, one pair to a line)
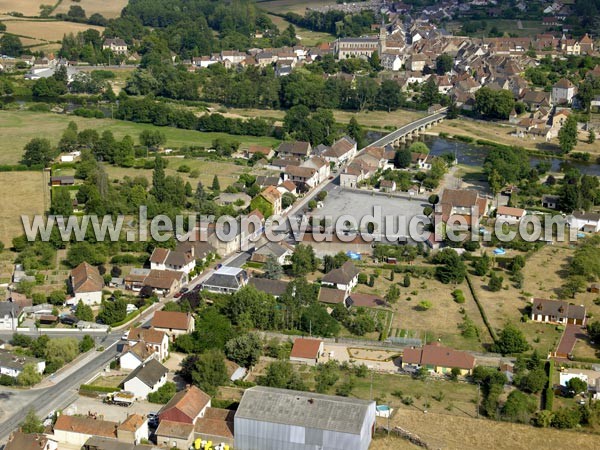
502, 134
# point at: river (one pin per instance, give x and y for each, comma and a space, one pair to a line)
474, 155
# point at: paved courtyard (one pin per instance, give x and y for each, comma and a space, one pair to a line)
84, 405
364, 205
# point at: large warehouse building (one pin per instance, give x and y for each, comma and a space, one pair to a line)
281, 419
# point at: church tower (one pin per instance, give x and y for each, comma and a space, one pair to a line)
382, 37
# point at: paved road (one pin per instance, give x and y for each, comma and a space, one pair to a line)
43, 401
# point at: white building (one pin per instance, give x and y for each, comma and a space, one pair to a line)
12, 364
10, 315
136, 355
588, 222
345, 278
86, 284
506, 214
158, 340
146, 378
563, 92
282, 419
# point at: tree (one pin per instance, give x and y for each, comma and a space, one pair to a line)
566, 418
113, 312
591, 137
76, 12
10, 45
272, 268
29, 376
281, 374
303, 260
572, 286
443, 63
356, 132
159, 189
430, 92
32, 423
511, 340
402, 158
494, 104
518, 407
393, 294
38, 151
152, 139
216, 186
317, 321
567, 135
245, 349
327, 375
389, 96
577, 385
163, 394
495, 283
375, 62
61, 204
86, 343
210, 371
482, 265
594, 331
534, 381
451, 269
406, 280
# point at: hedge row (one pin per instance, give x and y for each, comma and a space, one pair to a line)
19, 168
93, 388
549, 391
481, 310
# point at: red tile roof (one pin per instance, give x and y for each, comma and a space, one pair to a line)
171, 319
306, 348
86, 425
86, 278
439, 356
190, 402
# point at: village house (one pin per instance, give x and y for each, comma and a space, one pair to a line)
170, 434
563, 92
557, 311
12, 364
165, 259
281, 251
343, 278
550, 201
158, 340
21, 441
342, 150
76, 430
226, 280
136, 355
173, 323
265, 152
117, 46
161, 282
585, 221
509, 215
272, 195
332, 296
302, 175
320, 165
461, 202
296, 149
133, 430
387, 185
66, 180
146, 378
10, 315
536, 100
86, 284
288, 187
437, 359
217, 425
306, 351
276, 288
186, 407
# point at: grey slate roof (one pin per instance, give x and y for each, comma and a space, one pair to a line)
17, 362
227, 277
304, 409
343, 275
558, 308
275, 288
149, 373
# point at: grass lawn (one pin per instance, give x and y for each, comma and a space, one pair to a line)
109, 381
544, 274
284, 6
439, 322
306, 37
465, 433
108, 9
368, 119
227, 172
30, 198
19, 127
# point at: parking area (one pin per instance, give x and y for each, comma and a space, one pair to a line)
87, 405
361, 204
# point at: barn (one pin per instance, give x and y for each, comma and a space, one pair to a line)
281, 419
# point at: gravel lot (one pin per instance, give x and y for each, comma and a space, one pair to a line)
114, 413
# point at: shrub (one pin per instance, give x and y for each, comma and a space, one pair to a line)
458, 296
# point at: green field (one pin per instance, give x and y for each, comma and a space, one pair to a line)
19, 127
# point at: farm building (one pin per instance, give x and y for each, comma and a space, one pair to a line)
306, 351
281, 419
